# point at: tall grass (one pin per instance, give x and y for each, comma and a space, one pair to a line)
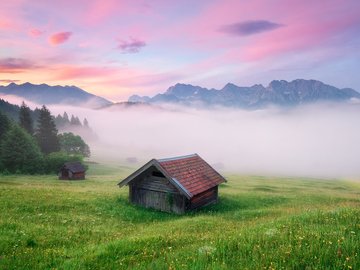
259, 223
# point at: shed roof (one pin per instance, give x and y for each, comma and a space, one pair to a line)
74, 167
190, 174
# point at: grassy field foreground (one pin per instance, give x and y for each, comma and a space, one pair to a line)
259, 223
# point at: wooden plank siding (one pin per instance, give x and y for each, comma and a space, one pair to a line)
78, 176
207, 197
163, 201
68, 175
157, 184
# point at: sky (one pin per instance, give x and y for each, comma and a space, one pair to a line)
115, 48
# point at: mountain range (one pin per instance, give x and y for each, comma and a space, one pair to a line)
280, 93
46, 94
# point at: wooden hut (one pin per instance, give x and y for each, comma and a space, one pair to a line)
72, 171
175, 184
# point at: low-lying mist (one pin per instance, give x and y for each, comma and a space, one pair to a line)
312, 141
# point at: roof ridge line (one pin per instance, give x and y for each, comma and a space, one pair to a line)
176, 158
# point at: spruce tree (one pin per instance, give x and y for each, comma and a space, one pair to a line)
59, 121
25, 120
75, 121
46, 133
86, 123
66, 118
19, 152
4, 125
78, 122
4, 128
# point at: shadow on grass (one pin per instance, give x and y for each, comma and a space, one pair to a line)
229, 203
253, 205
244, 207
122, 209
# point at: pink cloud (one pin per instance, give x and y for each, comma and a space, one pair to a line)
9, 81
5, 24
35, 32
146, 78
73, 72
131, 81
59, 38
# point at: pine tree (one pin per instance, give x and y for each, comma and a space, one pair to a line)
86, 123
46, 133
4, 128
59, 121
72, 120
19, 152
66, 118
25, 120
75, 121
4, 125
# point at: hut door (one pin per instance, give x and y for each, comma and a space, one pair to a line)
154, 199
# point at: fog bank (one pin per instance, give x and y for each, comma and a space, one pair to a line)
313, 141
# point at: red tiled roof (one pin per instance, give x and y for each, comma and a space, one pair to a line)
192, 172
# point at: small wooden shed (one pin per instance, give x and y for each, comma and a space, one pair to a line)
176, 184
72, 171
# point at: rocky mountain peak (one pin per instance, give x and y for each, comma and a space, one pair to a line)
278, 92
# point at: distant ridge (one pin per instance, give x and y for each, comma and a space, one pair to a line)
128, 105
280, 93
46, 94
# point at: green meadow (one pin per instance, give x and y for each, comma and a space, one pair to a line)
259, 223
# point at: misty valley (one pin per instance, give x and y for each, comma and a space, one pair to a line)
291, 197
176, 135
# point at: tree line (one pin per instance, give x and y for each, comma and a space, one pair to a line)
64, 120
28, 150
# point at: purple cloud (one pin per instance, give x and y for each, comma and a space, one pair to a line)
15, 65
131, 46
247, 28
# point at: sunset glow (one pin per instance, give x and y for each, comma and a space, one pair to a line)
119, 48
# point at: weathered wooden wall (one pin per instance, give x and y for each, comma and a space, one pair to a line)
156, 192
207, 197
68, 175
168, 202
